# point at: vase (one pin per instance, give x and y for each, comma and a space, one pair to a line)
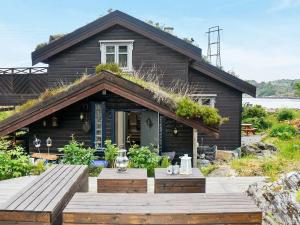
122, 161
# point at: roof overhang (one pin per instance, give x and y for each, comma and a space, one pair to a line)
224, 77
94, 84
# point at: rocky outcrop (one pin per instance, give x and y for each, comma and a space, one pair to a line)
260, 149
278, 199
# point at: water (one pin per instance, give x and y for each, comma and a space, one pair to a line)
274, 103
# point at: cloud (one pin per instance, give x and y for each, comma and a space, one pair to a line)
280, 5
261, 64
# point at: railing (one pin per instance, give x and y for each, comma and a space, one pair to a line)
24, 70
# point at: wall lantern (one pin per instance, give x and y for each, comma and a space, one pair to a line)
44, 123
81, 116
175, 131
54, 121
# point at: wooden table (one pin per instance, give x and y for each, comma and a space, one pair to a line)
46, 156
161, 209
165, 183
131, 181
248, 129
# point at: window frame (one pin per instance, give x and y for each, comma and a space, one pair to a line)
116, 44
199, 97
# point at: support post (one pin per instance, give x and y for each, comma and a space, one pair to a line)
195, 146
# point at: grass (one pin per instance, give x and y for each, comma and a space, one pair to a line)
176, 99
287, 158
208, 169
298, 196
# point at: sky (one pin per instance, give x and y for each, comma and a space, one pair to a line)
260, 39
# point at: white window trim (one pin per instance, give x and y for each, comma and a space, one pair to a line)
117, 43
211, 96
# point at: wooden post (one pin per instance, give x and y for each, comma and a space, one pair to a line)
195, 146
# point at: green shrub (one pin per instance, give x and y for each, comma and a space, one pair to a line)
187, 108
143, 157
298, 195
253, 111
283, 131
285, 114
13, 161
165, 162
208, 169
260, 123
76, 154
110, 153
39, 167
94, 171
113, 67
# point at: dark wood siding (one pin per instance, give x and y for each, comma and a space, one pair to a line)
73, 62
229, 103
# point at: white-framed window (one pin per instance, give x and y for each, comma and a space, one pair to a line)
117, 51
205, 99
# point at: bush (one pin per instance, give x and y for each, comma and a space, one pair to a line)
143, 157
283, 131
113, 67
94, 171
298, 196
285, 114
260, 123
110, 153
76, 154
253, 111
13, 161
165, 162
187, 108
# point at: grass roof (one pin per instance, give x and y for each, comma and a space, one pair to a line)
176, 98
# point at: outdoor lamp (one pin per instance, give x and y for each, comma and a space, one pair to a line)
37, 143
81, 116
54, 121
175, 131
48, 142
44, 123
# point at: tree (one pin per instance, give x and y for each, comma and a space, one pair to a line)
297, 88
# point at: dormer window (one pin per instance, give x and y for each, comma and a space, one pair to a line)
117, 51
205, 99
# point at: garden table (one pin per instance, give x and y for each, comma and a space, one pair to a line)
165, 183
131, 181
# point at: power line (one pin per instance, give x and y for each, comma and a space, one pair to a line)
214, 40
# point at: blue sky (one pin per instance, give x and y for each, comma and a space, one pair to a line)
260, 38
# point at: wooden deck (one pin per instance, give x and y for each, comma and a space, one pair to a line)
200, 208
41, 202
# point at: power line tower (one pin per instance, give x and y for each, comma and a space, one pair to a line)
213, 48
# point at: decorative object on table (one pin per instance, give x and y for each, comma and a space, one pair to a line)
48, 144
122, 161
186, 164
176, 169
170, 170
37, 143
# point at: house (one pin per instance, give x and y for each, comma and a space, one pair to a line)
108, 106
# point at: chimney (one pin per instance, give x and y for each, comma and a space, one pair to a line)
169, 30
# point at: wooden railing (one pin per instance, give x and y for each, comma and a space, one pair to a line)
24, 70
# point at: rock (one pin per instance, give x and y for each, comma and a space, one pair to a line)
203, 163
225, 155
277, 200
259, 149
223, 171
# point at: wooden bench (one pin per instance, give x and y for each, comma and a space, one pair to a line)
43, 200
165, 183
194, 208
